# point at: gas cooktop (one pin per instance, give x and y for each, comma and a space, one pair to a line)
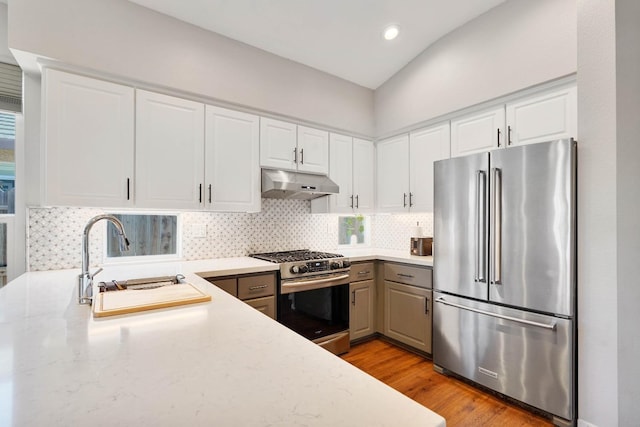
295, 256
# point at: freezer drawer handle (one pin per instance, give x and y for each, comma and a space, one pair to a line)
550, 326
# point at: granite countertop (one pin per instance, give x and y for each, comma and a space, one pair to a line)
217, 363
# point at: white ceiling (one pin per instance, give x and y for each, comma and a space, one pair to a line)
340, 37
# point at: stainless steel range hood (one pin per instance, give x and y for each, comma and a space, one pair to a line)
278, 184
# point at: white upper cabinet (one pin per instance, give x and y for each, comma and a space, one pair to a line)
543, 117
232, 154
169, 152
341, 171
313, 150
392, 164
88, 141
287, 146
278, 144
478, 132
363, 175
425, 147
351, 166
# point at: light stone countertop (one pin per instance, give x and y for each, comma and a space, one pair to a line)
219, 363
369, 254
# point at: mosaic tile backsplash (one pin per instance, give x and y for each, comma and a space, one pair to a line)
55, 234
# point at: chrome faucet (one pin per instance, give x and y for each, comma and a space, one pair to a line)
85, 280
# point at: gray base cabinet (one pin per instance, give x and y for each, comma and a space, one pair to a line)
408, 307
362, 291
258, 291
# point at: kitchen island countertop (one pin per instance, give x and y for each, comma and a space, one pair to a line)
217, 363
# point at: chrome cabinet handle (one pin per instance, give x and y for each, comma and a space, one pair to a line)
551, 326
496, 235
405, 275
410, 199
353, 299
253, 288
302, 156
498, 137
200, 193
295, 155
128, 189
480, 227
209, 193
352, 201
404, 203
508, 135
364, 272
426, 305
357, 201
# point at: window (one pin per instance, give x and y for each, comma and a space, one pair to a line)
149, 235
353, 230
7, 163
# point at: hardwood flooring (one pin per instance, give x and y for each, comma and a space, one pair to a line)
458, 402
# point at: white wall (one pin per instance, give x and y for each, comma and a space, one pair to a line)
627, 17
597, 251
513, 46
121, 38
5, 54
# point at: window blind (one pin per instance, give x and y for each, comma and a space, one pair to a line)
10, 87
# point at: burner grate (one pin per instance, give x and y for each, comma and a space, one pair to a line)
294, 256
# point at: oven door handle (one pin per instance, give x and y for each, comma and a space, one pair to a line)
306, 285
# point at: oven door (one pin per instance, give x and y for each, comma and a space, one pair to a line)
317, 308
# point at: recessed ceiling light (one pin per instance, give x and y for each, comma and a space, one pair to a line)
391, 32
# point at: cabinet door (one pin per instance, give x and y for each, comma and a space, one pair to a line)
266, 305
278, 144
392, 160
478, 132
363, 175
88, 141
362, 306
232, 164
341, 171
169, 152
313, 150
543, 117
408, 314
425, 147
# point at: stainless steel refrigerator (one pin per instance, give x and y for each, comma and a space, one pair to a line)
505, 272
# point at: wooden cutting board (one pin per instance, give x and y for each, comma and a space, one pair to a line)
131, 301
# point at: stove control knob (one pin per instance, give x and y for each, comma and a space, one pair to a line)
346, 263
335, 265
294, 269
303, 269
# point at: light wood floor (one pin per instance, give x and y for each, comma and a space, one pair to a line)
459, 403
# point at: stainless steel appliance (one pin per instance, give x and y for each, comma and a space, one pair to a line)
505, 273
279, 184
421, 246
313, 296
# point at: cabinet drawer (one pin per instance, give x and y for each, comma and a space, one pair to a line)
409, 275
228, 285
266, 305
362, 271
256, 286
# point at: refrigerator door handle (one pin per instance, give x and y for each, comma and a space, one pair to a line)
496, 234
480, 226
550, 326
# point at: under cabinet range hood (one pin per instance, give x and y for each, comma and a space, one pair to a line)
279, 184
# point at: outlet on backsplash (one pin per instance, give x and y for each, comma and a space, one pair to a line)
199, 230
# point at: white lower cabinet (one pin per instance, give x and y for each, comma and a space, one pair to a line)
169, 152
88, 136
232, 161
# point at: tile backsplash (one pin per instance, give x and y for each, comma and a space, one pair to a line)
55, 234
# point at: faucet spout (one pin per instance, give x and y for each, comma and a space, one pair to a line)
85, 280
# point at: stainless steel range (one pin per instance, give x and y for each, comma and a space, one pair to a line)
313, 295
